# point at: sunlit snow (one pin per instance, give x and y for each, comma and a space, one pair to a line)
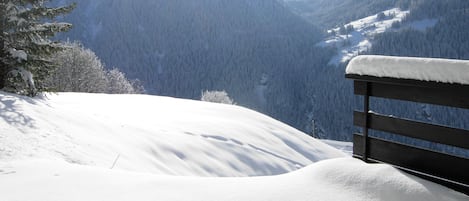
153, 134
350, 45
425, 69
76, 146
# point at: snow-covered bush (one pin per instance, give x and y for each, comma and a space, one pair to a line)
216, 97
119, 84
80, 70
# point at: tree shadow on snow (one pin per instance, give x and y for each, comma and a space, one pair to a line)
12, 113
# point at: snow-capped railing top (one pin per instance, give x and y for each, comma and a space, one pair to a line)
423, 69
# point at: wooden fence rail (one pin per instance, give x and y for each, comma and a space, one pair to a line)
446, 169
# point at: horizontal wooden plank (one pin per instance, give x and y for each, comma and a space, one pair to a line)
424, 131
454, 95
442, 168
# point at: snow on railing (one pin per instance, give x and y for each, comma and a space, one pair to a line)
424, 69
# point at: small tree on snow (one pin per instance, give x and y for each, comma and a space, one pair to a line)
216, 97
25, 34
119, 84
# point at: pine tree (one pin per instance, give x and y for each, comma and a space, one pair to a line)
27, 27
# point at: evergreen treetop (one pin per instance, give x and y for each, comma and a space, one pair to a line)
27, 27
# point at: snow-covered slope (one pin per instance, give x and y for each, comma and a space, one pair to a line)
346, 147
72, 146
358, 40
153, 134
350, 43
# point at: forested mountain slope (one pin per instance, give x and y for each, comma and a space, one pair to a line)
330, 13
259, 51
262, 52
446, 37
449, 38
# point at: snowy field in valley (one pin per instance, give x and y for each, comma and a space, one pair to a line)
76, 146
360, 38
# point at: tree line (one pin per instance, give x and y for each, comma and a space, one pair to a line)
31, 61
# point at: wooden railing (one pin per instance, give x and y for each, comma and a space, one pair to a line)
446, 169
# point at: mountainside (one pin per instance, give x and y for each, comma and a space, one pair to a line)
258, 51
448, 38
357, 36
265, 54
424, 28
331, 13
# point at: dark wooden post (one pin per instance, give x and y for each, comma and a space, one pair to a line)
366, 108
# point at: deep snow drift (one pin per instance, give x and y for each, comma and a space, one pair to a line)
73, 146
153, 134
335, 179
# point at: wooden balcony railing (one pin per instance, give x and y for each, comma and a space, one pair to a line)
446, 169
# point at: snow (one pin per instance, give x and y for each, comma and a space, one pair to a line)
76, 146
20, 55
26, 77
346, 147
425, 69
159, 135
371, 25
334, 179
359, 39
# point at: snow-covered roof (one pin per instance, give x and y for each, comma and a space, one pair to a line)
424, 69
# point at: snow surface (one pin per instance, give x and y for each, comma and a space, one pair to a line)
346, 147
159, 135
425, 69
20, 55
360, 40
335, 179
76, 146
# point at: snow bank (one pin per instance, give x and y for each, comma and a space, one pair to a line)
335, 179
72, 146
159, 135
425, 69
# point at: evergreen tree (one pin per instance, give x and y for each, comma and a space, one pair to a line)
26, 30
